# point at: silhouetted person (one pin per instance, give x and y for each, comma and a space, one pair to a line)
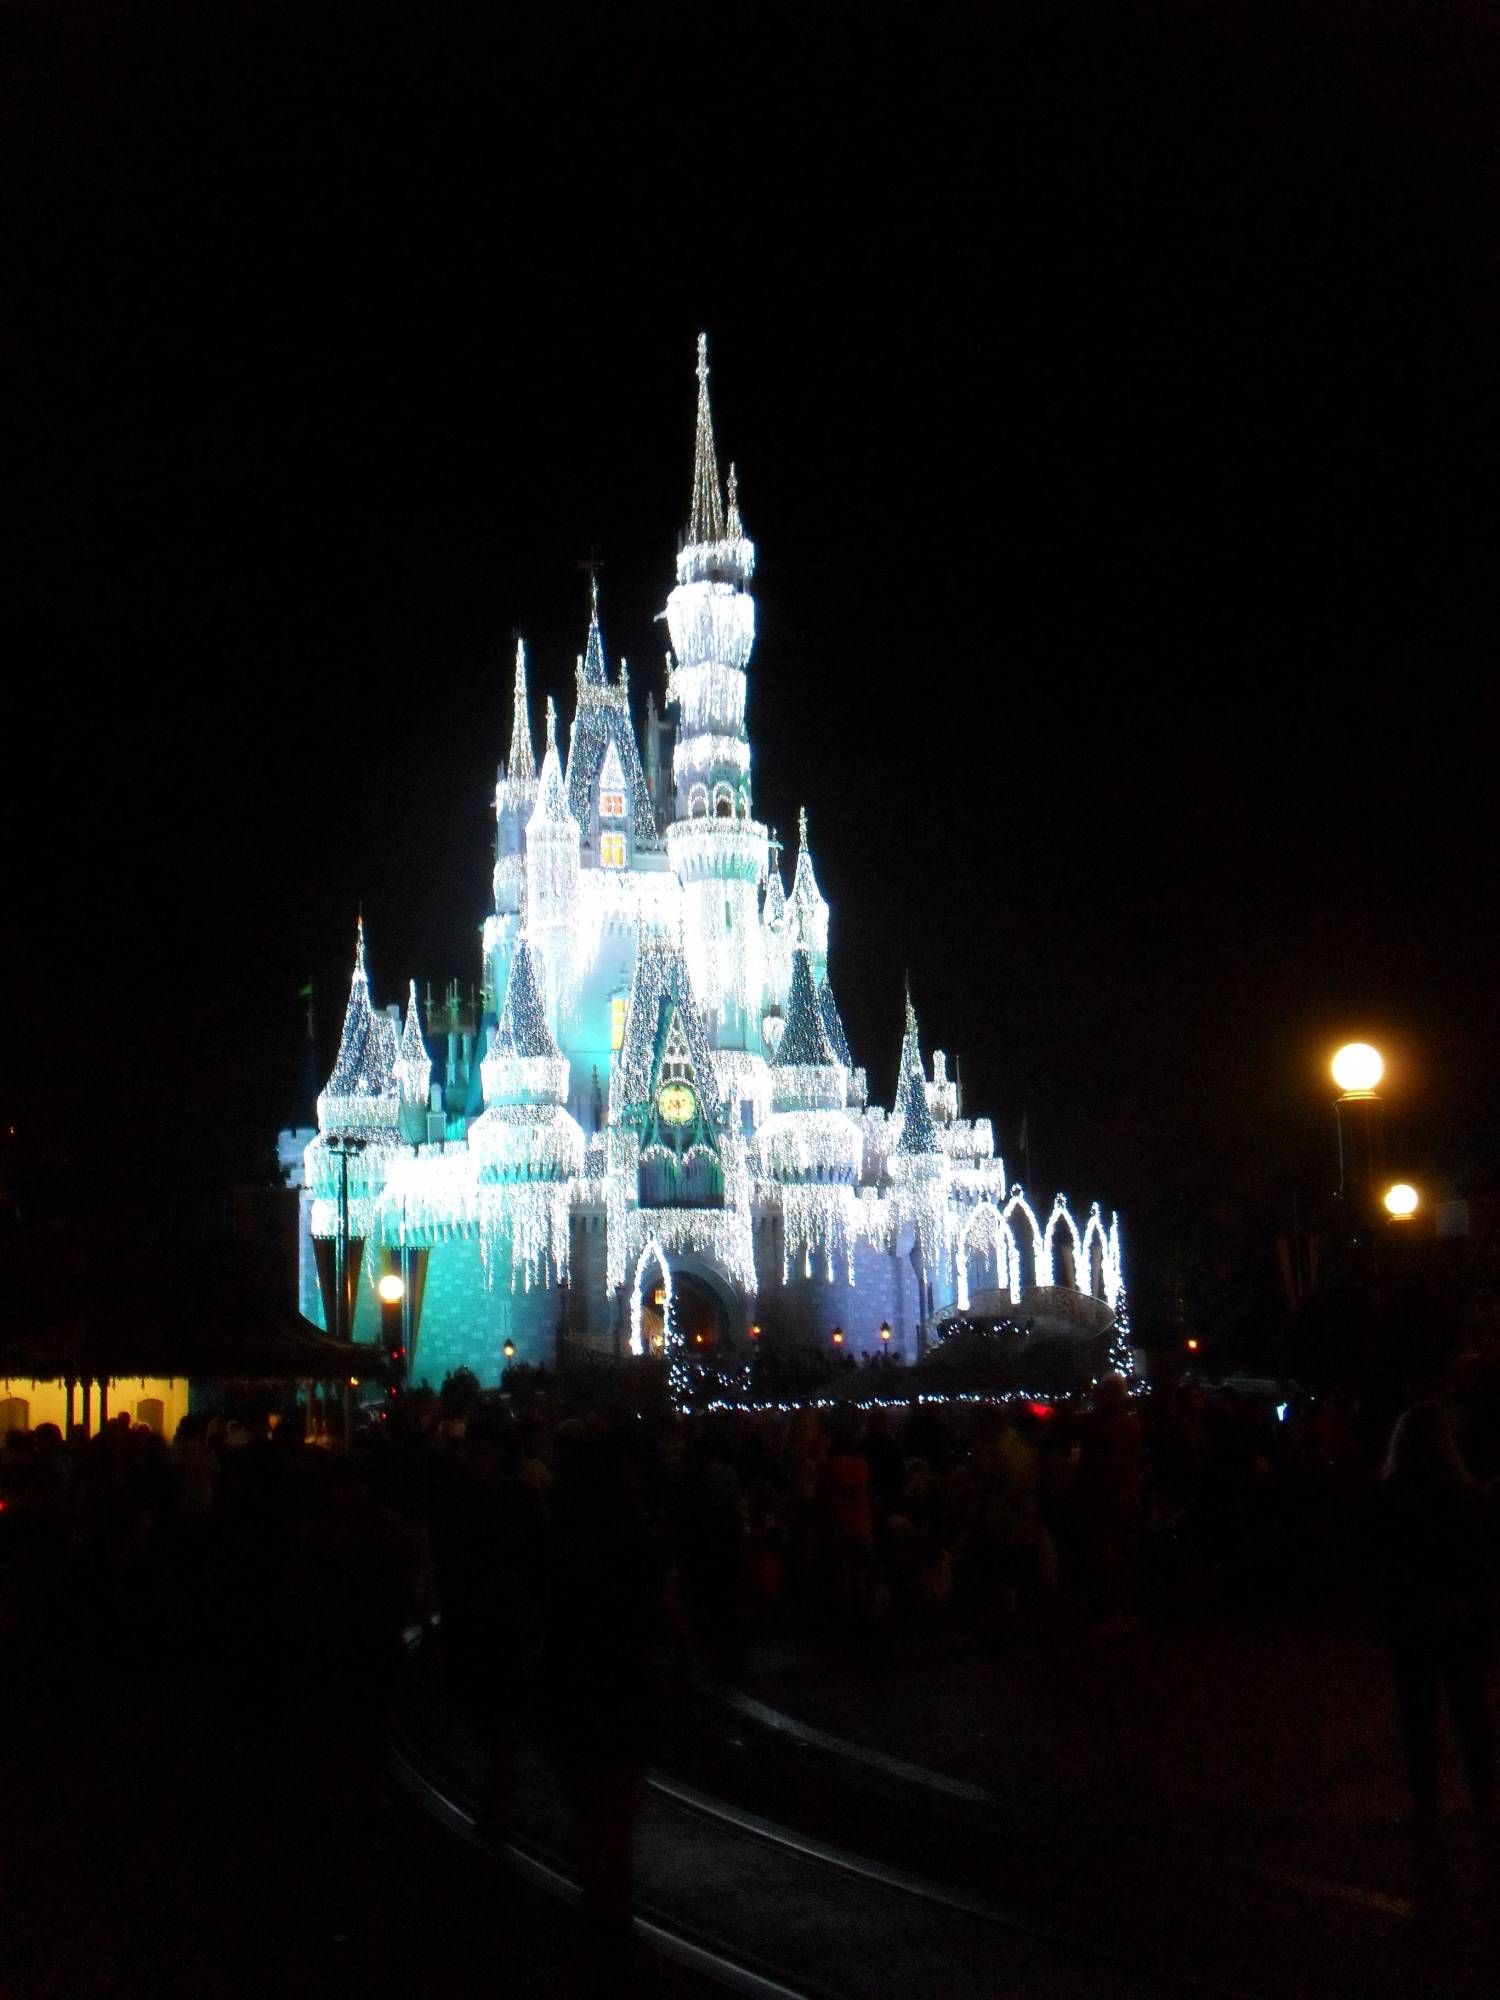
710, 1535
1110, 1496
1433, 1568
606, 1579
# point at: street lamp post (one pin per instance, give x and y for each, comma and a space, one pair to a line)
344, 1150
1357, 1070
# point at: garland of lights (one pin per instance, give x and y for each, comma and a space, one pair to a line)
697, 756
707, 697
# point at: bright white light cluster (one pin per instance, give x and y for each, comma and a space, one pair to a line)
967, 1139
734, 554
526, 1142
1024, 1253
820, 1228
615, 898
920, 1185
524, 1232
942, 1096
524, 1079
745, 1079
722, 943
696, 756
717, 849
809, 1146
809, 1086
707, 697
712, 623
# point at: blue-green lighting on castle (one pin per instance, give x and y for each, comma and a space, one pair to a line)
649, 1127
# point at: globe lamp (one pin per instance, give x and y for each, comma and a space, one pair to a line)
1357, 1068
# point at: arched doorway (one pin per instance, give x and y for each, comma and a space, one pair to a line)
702, 1317
700, 1313
688, 1296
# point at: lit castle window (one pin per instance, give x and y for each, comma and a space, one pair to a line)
612, 850
611, 805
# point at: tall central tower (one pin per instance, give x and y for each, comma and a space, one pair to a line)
719, 853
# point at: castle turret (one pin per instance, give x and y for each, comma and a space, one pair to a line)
524, 1064
806, 1074
525, 1145
362, 1098
809, 910
918, 1139
607, 791
515, 798
413, 1070
552, 839
716, 849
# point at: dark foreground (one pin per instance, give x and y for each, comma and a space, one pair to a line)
1139, 1731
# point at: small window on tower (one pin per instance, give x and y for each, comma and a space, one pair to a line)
612, 850
611, 805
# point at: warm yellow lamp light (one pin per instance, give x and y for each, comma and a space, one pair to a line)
1357, 1068
391, 1289
1401, 1201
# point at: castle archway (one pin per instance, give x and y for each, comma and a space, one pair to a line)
690, 1293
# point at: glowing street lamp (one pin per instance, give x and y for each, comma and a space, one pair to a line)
1401, 1201
395, 1303
1357, 1069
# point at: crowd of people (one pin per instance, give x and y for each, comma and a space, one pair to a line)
538, 1539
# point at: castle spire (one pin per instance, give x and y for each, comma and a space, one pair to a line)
414, 1065
591, 667
809, 909
522, 768
734, 527
706, 521
551, 792
917, 1135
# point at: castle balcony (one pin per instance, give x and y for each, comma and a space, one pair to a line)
715, 850
707, 696
724, 564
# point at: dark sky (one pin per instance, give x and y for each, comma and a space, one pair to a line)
1113, 394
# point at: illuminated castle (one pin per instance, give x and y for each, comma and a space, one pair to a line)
651, 1130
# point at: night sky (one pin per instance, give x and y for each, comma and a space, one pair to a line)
1112, 390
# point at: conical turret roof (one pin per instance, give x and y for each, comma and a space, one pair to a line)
522, 767
833, 1026
706, 515
413, 1063
773, 907
591, 669
523, 1029
807, 900
551, 796
805, 1039
352, 1065
917, 1135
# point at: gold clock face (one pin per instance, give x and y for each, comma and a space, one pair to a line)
674, 1101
